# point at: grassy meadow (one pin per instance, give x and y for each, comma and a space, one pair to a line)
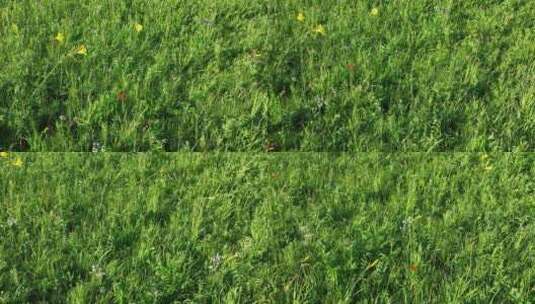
237, 75
359, 96
277, 228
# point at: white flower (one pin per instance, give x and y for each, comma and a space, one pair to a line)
97, 272
216, 260
407, 223
97, 147
11, 222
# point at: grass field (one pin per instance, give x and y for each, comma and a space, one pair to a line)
237, 75
286, 228
380, 85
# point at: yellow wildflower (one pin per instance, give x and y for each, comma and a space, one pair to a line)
17, 162
138, 27
319, 30
81, 50
255, 54
374, 12
4, 154
301, 17
60, 38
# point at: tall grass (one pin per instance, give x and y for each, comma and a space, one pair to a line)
238, 75
288, 228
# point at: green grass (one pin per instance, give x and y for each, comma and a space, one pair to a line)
238, 75
244, 76
286, 228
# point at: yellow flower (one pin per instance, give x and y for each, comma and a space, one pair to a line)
4, 154
138, 27
301, 17
60, 38
319, 30
255, 54
17, 162
81, 50
374, 12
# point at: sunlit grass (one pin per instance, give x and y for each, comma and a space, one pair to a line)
287, 228
239, 75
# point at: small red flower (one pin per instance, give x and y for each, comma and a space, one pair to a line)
271, 147
121, 96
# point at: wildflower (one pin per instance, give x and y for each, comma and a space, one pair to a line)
255, 54
59, 38
271, 147
138, 27
122, 97
17, 162
306, 233
374, 12
98, 147
4, 154
319, 30
216, 260
301, 17
11, 222
407, 223
97, 271
81, 50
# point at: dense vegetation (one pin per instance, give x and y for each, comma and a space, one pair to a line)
355, 78
286, 228
237, 75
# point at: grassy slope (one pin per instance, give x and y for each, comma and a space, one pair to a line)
314, 228
246, 75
